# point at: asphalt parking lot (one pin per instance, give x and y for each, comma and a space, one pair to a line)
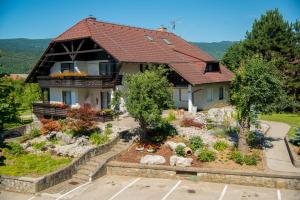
128, 188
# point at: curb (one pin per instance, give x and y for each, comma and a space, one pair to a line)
292, 154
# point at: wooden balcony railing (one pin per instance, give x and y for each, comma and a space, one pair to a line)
103, 81
49, 110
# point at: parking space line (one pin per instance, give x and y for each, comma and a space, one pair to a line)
278, 194
173, 188
63, 195
31, 198
127, 186
223, 192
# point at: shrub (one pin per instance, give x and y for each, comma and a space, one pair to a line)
255, 140
161, 132
190, 122
35, 133
97, 139
15, 148
206, 155
180, 150
237, 157
171, 117
109, 125
296, 139
220, 145
250, 160
49, 125
107, 131
38, 145
81, 120
196, 142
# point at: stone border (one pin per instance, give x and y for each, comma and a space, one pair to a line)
292, 154
32, 185
262, 179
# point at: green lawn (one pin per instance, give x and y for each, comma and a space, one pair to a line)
31, 164
292, 119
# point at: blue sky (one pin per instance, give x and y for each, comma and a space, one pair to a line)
197, 20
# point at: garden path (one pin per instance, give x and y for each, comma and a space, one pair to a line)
277, 156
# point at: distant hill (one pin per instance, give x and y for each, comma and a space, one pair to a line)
216, 49
20, 55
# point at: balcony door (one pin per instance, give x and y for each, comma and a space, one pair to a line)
105, 99
66, 97
106, 68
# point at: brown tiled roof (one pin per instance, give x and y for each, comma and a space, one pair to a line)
129, 44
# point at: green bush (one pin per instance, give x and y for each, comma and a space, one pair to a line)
220, 145
296, 139
196, 142
97, 139
171, 117
107, 131
161, 132
109, 125
180, 150
206, 155
250, 160
15, 148
237, 157
38, 145
35, 133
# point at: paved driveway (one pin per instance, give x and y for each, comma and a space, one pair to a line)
128, 188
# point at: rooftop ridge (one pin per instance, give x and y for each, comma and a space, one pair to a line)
128, 26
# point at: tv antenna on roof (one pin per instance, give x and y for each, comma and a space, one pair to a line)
174, 23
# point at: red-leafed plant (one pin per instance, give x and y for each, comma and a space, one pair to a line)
81, 119
188, 122
50, 125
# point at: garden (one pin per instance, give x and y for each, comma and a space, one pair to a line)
54, 144
208, 140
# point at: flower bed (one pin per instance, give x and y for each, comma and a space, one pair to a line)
222, 160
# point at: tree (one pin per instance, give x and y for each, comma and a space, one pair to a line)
234, 55
256, 88
147, 95
276, 40
8, 110
31, 93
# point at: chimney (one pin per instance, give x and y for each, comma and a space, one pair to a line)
162, 28
91, 17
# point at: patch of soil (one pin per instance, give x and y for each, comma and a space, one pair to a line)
133, 156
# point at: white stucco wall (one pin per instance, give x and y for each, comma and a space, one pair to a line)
88, 67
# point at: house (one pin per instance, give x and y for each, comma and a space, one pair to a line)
85, 64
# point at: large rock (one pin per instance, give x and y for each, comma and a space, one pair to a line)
153, 160
180, 161
67, 139
173, 145
219, 114
82, 141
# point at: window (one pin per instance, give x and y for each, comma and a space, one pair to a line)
105, 100
212, 67
106, 68
167, 41
66, 97
149, 37
221, 93
67, 67
183, 94
209, 94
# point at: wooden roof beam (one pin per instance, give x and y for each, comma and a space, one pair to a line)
74, 52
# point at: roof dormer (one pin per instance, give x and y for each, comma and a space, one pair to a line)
212, 66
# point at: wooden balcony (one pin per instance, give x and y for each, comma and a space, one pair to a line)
50, 110
46, 109
103, 81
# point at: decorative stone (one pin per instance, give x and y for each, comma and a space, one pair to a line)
180, 161
188, 151
173, 145
153, 160
67, 139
